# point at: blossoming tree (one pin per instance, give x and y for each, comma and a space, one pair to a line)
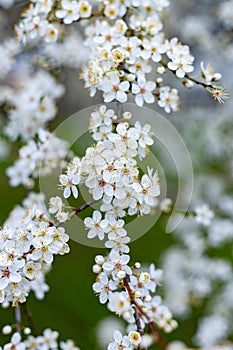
126, 56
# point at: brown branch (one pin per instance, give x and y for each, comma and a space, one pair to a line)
30, 251
139, 327
161, 340
75, 212
187, 76
30, 319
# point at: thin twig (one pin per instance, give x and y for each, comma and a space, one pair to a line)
76, 211
187, 76
161, 340
18, 319
30, 319
119, 110
139, 327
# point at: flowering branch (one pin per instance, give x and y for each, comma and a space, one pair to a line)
75, 212
161, 340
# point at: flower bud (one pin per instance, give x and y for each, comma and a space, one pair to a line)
99, 259
137, 265
121, 274
96, 268
6, 330
27, 330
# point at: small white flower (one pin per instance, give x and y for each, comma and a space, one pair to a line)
143, 91
69, 181
55, 204
203, 215
104, 286
31, 270
97, 225
48, 340
50, 34
118, 302
15, 343
68, 345
11, 274
119, 342
111, 11
62, 216
85, 9
134, 338
169, 99
181, 59
69, 11
114, 89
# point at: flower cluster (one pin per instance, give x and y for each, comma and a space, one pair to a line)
130, 292
109, 170
31, 104
199, 262
120, 65
9, 48
62, 53
37, 158
48, 340
42, 19
28, 245
129, 342
126, 42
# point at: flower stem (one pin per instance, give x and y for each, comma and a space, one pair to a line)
187, 76
18, 319
30, 319
76, 211
161, 340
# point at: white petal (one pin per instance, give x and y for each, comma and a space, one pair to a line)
124, 85
15, 277
97, 193
108, 190
15, 339
149, 98
104, 223
141, 81
101, 235
75, 191
4, 282
92, 233
117, 336
97, 287
109, 97
137, 187
66, 192
103, 297
88, 222
135, 89
172, 65
96, 216
121, 96
150, 85
139, 100
180, 73
63, 179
